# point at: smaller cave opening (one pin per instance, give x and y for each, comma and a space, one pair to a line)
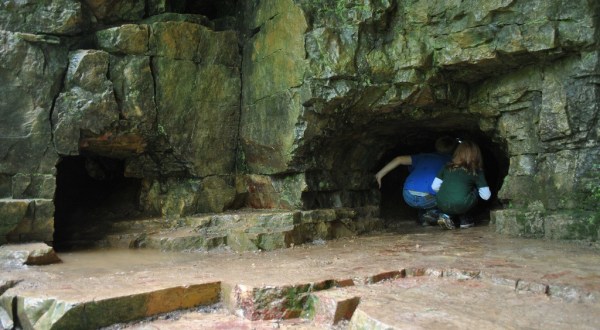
392, 204
91, 193
214, 9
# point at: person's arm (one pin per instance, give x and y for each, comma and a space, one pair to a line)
437, 183
400, 160
482, 186
485, 193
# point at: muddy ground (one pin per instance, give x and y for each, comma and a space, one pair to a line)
408, 278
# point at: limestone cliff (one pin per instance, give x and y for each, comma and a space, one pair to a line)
293, 104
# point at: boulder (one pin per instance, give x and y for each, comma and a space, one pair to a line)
31, 254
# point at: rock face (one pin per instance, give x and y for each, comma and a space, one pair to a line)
295, 104
28, 254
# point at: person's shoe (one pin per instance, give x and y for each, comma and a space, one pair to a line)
445, 221
429, 218
466, 222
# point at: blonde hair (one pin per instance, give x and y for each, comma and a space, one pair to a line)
468, 156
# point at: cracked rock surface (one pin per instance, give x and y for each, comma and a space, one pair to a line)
411, 278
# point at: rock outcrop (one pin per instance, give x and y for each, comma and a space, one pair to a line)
30, 254
295, 104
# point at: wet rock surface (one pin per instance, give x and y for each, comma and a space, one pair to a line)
211, 106
413, 277
28, 254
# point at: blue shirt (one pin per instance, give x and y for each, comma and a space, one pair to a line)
423, 170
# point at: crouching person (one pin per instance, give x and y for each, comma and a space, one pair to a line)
458, 186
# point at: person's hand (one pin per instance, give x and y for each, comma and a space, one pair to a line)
378, 179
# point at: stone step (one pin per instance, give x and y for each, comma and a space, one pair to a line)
216, 318
388, 300
126, 234
182, 239
131, 226
248, 230
28, 254
61, 310
26, 220
97, 302
403, 281
329, 308
118, 234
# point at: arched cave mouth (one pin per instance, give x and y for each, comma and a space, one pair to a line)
392, 205
91, 193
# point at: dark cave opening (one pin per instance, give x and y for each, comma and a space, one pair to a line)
91, 192
496, 164
211, 9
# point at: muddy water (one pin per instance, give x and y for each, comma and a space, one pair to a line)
412, 246
110, 261
508, 268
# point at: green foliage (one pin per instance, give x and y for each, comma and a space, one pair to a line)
296, 297
586, 229
596, 193
308, 311
594, 185
589, 194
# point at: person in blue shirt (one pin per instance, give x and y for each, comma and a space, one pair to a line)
423, 167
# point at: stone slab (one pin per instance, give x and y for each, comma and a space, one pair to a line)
462, 278
28, 254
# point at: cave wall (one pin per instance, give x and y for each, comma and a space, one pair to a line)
521, 74
293, 103
158, 91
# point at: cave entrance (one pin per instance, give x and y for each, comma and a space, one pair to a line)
392, 205
212, 9
91, 193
